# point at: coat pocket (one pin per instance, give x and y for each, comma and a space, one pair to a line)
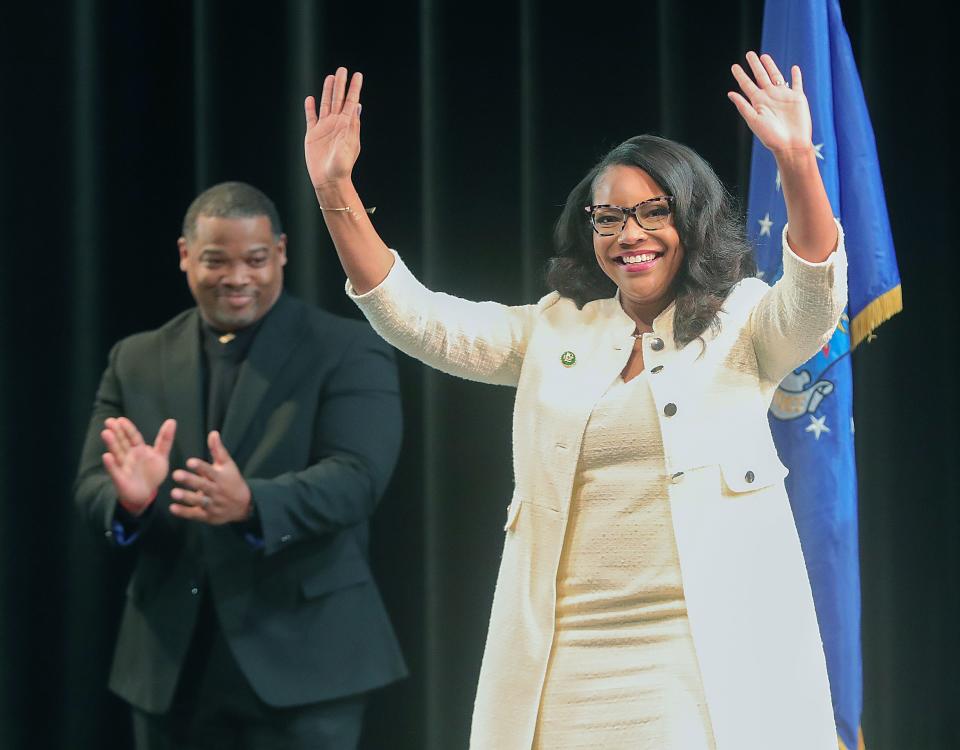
751, 472
345, 573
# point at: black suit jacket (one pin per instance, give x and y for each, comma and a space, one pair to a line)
314, 425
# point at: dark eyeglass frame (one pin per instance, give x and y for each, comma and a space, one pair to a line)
627, 213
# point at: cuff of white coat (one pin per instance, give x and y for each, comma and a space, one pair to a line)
398, 284
811, 276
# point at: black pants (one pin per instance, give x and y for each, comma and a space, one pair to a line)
215, 707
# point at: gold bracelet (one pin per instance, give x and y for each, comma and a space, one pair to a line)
347, 209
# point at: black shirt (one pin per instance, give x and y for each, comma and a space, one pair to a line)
223, 356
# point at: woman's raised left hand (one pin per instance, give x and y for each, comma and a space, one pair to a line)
776, 112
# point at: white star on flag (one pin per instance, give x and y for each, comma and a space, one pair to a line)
817, 425
778, 180
817, 147
765, 225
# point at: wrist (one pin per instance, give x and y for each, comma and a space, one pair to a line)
791, 158
134, 508
249, 509
333, 190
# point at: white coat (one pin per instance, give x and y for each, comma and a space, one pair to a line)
748, 597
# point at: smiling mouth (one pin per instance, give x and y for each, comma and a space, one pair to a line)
637, 259
237, 300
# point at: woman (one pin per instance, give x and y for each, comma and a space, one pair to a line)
652, 590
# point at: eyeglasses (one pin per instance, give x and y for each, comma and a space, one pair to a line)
651, 214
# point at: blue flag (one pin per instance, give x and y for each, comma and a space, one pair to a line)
812, 411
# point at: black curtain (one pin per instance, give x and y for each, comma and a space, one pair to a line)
478, 119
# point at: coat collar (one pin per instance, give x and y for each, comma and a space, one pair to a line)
280, 332
599, 348
182, 384
277, 339
662, 324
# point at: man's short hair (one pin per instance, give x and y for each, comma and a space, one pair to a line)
231, 200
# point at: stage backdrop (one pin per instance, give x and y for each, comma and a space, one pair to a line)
478, 118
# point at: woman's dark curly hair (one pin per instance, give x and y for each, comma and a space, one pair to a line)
716, 252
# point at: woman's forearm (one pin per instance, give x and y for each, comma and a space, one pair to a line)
811, 231
364, 256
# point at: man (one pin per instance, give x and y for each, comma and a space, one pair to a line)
251, 617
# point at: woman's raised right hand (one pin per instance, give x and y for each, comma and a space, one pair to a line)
332, 141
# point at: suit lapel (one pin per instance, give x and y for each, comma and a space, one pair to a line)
180, 363
577, 361
275, 342
609, 351
585, 361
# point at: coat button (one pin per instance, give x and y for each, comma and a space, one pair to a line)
194, 590
656, 369
749, 476
285, 538
670, 409
108, 534
656, 344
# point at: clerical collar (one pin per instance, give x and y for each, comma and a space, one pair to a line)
228, 343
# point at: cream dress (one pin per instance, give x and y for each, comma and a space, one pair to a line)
622, 671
